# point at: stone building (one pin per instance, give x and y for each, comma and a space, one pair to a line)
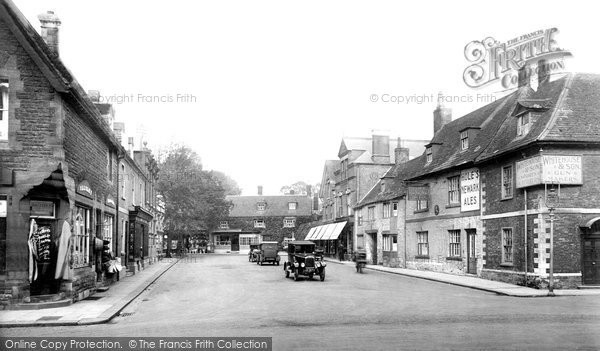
58, 160
253, 219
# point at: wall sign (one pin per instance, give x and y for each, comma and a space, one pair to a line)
548, 169
85, 189
110, 201
42, 209
469, 190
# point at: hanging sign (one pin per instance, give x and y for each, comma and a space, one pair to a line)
548, 169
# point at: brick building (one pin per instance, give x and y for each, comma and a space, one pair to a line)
68, 188
361, 163
253, 219
58, 160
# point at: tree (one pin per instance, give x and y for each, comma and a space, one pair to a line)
229, 185
194, 199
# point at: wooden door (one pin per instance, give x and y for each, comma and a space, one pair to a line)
471, 254
591, 260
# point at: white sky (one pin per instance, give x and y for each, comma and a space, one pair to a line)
279, 83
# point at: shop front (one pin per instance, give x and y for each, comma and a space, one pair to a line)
138, 239
332, 238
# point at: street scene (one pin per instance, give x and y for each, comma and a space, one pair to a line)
279, 176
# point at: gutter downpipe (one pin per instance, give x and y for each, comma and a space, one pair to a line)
405, 212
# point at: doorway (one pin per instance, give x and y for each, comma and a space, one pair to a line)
471, 254
235, 243
591, 259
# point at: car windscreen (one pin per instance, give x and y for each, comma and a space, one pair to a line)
269, 246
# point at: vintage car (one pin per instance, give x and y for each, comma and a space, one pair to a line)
253, 253
304, 259
268, 251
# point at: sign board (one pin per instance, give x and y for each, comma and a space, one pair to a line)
85, 189
548, 169
469, 190
173, 244
110, 201
43, 209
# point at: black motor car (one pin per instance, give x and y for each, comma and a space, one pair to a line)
268, 251
305, 260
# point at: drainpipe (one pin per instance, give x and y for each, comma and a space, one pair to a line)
525, 237
405, 207
120, 157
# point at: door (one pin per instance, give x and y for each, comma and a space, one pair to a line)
471, 255
591, 260
235, 243
374, 248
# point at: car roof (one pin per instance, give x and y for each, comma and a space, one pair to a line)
301, 242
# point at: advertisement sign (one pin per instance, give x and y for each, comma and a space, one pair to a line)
416, 193
43, 209
469, 190
549, 169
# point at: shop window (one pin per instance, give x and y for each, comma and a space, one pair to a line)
454, 243
422, 244
289, 222
390, 243
507, 245
81, 238
3, 109
507, 182
454, 190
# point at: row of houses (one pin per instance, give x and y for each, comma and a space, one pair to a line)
76, 204
492, 194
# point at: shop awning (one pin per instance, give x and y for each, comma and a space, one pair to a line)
587, 223
326, 231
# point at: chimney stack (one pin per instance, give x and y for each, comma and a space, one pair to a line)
119, 129
130, 143
50, 24
441, 116
381, 148
401, 154
260, 190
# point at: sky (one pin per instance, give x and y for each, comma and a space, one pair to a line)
266, 90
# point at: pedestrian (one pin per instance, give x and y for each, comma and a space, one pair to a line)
341, 251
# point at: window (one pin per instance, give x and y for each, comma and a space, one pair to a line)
429, 154
359, 216
422, 203
340, 207
523, 124
344, 169
464, 140
453, 190
223, 225
507, 182
289, 222
371, 213
386, 210
292, 205
454, 247
394, 209
107, 228
259, 223
390, 243
507, 245
3, 109
80, 255
261, 206
422, 244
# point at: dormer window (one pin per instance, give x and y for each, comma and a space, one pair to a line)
223, 225
523, 123
261, 206
292, 205
464, 140
429, 154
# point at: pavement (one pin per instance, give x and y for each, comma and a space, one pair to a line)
103, 306
475, 282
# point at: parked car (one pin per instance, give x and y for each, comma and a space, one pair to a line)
304, 259
253, 253
268, 252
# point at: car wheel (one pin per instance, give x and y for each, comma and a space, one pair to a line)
356, 268
310, 276
296, 275
360, 269
278, 263
323, 275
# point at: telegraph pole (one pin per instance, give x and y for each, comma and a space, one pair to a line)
552, 201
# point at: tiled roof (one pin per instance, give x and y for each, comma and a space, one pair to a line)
394, 179
247, 206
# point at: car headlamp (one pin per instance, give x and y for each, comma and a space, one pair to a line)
302, 264
295, 264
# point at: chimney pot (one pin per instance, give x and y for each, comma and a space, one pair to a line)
441, 116
50, 24
543, 71
260, 190
524, 75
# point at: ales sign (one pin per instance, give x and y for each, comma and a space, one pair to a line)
469, 190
